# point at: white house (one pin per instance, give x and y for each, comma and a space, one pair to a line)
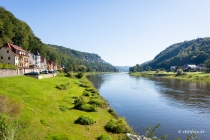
191, 67
12, 54
37, 59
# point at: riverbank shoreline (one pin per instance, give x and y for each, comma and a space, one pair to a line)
49, 112
190, 76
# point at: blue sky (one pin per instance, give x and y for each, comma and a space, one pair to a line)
122, 32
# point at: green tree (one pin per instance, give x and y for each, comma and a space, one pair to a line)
82, 68
207, 64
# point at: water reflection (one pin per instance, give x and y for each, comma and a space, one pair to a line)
192, 94
96, 80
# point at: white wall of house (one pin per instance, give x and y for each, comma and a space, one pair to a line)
37, 59
7, 56
17, 60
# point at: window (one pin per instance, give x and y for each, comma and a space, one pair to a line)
7, 51
8, 58
1, 57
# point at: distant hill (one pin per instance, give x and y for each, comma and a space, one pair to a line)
67, 57
123, 68
19, 33
188, 52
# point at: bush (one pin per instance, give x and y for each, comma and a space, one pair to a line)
95, 97
84, 120
13, 67
84, 85
44, 122
88, 108
63, 107
70, 74
8, 66
111, 111
104, 137
85, 93
60, 75
78, 102
98, 102
79, 75
89, 89
94, 91
5, 66
179, 72
118, 126
63, 86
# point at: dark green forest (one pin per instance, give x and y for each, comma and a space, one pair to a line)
195, 51
18, 32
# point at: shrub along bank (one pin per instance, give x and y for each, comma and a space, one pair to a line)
191, 76
46, 111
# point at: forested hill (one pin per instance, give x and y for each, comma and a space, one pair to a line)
18, 32
73, 58
90, 57
188, 52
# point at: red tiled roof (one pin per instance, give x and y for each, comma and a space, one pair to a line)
15, 47
49, 62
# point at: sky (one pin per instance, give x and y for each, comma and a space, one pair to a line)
122, 32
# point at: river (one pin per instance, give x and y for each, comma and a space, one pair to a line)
178, 106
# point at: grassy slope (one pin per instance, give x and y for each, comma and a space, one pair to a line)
192, 76
41, 116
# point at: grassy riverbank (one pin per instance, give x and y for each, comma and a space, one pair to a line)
191, 76
48, 112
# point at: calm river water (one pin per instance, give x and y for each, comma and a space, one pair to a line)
178, 106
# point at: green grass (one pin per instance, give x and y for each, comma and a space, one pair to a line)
49, 113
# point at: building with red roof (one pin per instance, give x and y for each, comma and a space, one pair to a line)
12, 54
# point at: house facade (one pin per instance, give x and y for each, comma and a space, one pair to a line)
191, 67
31, 60
43, 63
37, 59
12, 54
26, 61
51, 65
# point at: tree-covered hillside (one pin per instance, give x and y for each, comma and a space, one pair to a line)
18, 32
71, 59
188, 52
